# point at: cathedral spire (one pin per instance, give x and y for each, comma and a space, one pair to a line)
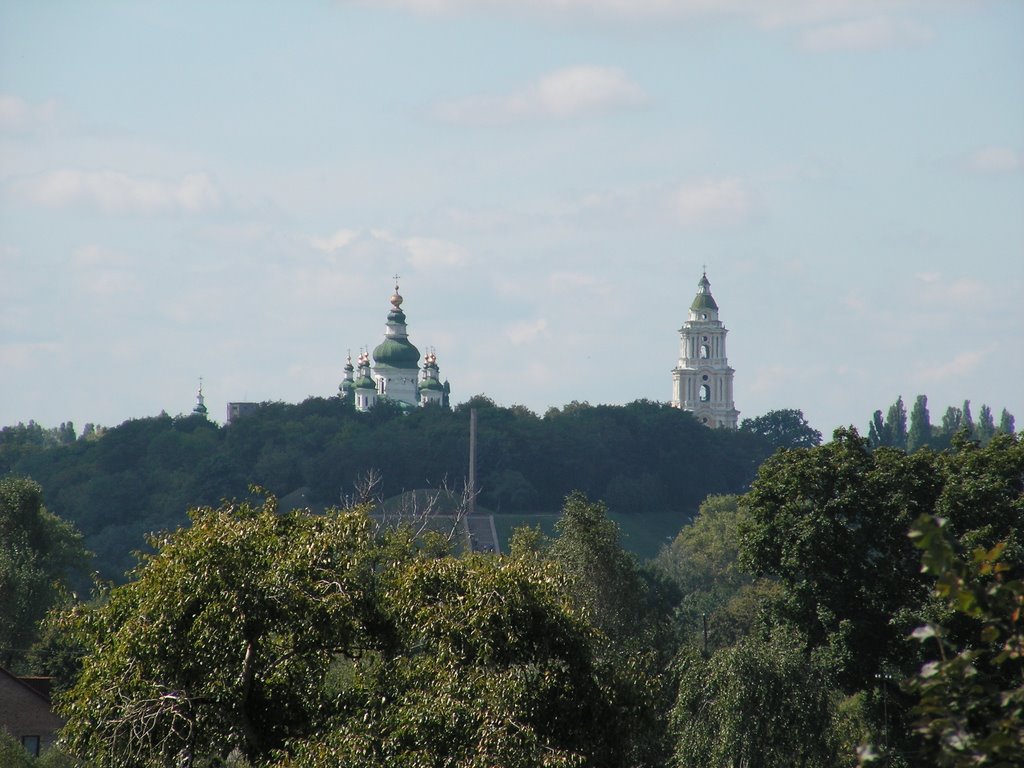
200, 409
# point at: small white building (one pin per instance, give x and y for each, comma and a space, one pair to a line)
702, 380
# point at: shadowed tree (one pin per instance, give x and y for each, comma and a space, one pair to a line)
920, 433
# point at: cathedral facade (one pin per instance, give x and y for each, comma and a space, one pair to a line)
394, 373
702, 379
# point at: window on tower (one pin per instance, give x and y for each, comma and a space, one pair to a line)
704, 350
705, 393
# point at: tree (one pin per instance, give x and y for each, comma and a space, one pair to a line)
760, 703
40, 555
967, 421
322, 640
830, 525
986, 425
702, 563
878, 432
786, 428
920, 433
1006, 425
896, 424
971, 709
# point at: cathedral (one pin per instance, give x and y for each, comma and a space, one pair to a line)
702, 380
394, 374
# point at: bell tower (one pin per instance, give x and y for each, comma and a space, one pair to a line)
702, 380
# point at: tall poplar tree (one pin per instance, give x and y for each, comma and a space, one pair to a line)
1006, 425
896, 424
986, 425
920, 433
967, 421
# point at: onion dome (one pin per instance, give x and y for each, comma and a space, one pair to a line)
348, 383
364, 381
200, 409
396, 352
704, 299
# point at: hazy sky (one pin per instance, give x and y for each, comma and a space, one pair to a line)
226, 189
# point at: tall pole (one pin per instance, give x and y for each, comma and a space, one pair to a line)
472, 460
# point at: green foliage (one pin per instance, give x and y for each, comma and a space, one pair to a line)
140, 476
39, 556
920, 433
971, 708
830, 525
702, 563
762, 703
786, 428
297, 639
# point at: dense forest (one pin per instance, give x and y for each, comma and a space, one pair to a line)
856, 606
118, 484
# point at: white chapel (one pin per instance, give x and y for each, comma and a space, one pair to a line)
702, 380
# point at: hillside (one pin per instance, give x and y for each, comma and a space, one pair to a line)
141, 476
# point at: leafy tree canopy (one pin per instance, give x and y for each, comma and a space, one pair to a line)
786, 428
40, 555
319, 640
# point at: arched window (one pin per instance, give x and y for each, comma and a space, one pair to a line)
704, 351
705, 393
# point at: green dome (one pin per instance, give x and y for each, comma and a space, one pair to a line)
704, 301
346, 385
433, 384
365, 382
398, 353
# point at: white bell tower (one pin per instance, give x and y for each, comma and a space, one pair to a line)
702, 380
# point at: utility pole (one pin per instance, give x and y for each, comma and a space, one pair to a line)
472, 460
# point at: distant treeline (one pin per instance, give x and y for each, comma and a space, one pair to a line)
118, 484
896, 431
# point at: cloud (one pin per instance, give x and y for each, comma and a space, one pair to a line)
94, 255
960, 366
119, 193
426, 253
561, 94
524, 332
418, 251
776, 13
996, 160
863, 34
934, 288
709, 203
19, 355
340, 239
19, 116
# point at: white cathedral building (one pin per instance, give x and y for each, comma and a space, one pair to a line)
395, 374
702, 380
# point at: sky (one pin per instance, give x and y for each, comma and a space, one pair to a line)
226, 190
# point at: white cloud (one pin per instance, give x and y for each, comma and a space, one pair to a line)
18, 355
418, 251
716, 202
340, 239
427, 252
863, 34
934, 288
773, 13
94, 255
18, 115
524, 332
119, 193
996, 160
563, 93
962, 365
